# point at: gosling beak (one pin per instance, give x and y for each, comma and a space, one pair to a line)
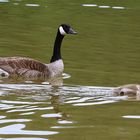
71, 31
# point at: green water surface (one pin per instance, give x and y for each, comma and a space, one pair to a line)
105, 52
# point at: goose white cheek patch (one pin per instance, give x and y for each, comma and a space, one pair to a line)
62, 32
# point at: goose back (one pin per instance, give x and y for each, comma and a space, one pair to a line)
25, 68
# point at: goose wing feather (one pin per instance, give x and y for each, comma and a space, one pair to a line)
24, 67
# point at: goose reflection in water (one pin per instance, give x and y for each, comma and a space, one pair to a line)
56, 100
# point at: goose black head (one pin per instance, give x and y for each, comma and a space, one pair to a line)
66, 29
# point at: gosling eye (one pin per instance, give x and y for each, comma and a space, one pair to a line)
121, 93
3, 74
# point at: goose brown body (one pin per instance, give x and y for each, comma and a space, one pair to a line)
24, 68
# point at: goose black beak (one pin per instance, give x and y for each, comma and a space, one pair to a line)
71, 31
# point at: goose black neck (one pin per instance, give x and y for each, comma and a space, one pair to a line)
57, 47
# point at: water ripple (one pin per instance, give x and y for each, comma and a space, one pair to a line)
23, 110
65, 122
32, 5
24, 138
104, 6
1, 117
43, 102
4, 0
58, 115
28, 113
95, 103
18, 102
132, 116
17, 129
14, 120
17, 2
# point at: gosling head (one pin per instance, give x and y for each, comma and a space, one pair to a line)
66, 29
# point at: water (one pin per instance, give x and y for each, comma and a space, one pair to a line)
41, 111
45, 112
104, 54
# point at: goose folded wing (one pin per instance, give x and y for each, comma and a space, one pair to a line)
32, 74
26, 68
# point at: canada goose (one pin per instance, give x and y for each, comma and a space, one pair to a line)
130, 89
27, 69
